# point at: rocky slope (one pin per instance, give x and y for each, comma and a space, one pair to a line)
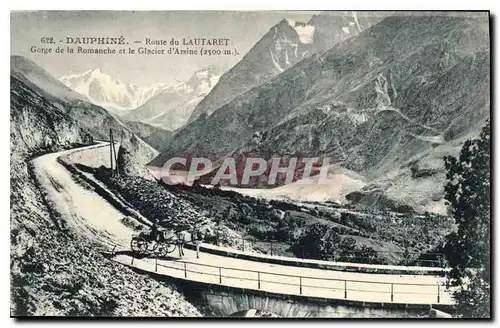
157, 137
171, 108
93, 119
392, 95
104, 90
26, 70
283, 46
54, 270
61, 274
52, 128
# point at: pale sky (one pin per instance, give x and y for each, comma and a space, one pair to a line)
243, 29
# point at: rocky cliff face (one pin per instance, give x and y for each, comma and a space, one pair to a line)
55, 272
92, 119
404, 87
37, 126
283, 46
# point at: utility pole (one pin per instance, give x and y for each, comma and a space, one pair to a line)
114, 150
121, 139
111, 150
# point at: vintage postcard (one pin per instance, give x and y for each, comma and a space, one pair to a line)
280, 164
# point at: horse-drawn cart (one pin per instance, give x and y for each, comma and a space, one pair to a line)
165, 241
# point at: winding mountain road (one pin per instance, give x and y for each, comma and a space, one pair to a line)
80, 208
86, 212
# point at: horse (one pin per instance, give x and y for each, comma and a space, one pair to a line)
183, 237
180, 238
194, 236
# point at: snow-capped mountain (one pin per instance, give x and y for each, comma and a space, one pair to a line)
46, 113
171, 108
286, 43
102, 89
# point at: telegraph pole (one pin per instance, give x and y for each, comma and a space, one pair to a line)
111, 150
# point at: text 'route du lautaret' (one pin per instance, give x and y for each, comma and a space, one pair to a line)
189, 42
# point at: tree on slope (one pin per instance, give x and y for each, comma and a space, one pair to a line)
468, 249
318, 242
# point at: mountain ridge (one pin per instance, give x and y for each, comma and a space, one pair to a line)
171, 108
285, 44
379, 98
110, 93
92, 119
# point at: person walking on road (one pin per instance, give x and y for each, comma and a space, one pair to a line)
197, 238
154, 231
